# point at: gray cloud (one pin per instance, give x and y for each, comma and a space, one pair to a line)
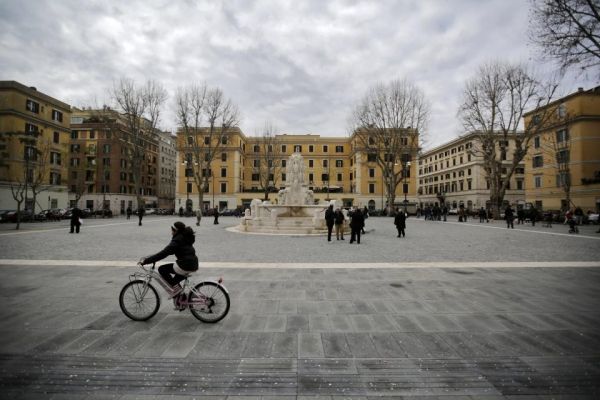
301, 65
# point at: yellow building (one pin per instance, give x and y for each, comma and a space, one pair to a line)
336, 169
563, 162
34, 137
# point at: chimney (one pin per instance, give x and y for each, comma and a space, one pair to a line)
33, 88
580, 89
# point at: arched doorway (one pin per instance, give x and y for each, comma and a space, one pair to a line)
371, 205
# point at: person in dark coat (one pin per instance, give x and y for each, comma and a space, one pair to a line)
216, 212
520, 216
339, 223
482, 215
329, 221
509, 215
533, 215
128, 212
181, 211
356, 225
75, 220
400, 222
182, 246
141, 213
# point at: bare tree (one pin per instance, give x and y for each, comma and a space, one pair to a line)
41, 177
387, 124
567, 31
141, 107
493, 105
269, 159
206, 118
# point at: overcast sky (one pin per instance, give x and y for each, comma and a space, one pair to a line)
300, 64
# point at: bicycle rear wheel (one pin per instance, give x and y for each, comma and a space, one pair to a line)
139, 300
209, 302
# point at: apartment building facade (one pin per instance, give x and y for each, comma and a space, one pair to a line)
100, 167
34, 137
167, 169
563, 162
336, 168
454, 174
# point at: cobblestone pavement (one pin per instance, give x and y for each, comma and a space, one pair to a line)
119, 239
328, 333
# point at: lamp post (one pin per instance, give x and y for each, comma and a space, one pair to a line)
405, 165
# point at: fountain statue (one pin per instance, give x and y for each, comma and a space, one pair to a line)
295, 211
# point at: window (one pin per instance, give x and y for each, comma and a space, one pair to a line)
283, 163
189, 187
371, 157
325, 163
562, 135
311, 177
339, 177
469, 185
339, 149
563, 179
106, 148
325, 177
283, 177
56, 137
325, 149
75, 148
283, 148
256, 148
32, 106
371, 188
223, 187
55, 158
92, 134
339, 163
223, 157
74, 162
256, 163
74, 134
255, 177
536, 142
223, 139
537, 181
54, 178
538, 161
371, 172
106, 161
311, 163
469, 171
561, 111
206, 140
29, 128
57, 116
297, 149
223, 172
519, 184
311, 148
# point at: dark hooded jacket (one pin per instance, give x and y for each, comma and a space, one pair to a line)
182, 247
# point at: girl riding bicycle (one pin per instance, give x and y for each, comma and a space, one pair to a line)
181, 246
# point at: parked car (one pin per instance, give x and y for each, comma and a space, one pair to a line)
593, 218
107, 213
453, 211
4, 215
53, 214
150, 211
228, 212
25, 216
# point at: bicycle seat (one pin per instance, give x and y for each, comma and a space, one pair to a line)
180, 271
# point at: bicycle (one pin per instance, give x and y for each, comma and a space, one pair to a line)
208, 301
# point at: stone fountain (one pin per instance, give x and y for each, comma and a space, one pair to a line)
295, 211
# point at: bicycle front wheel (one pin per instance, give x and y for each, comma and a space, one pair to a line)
139, 300
209, 302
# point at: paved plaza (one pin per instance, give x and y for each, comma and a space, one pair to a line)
454, 311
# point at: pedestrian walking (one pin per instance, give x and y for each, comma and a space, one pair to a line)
198, 216
128, 212
482, 215
329, 221
216, 214
578, 213
445, 213
533, 215
365, 214
400, 222
356, 225
509, 216
339, 224
180, 211
75, 220
141, 213
520, 216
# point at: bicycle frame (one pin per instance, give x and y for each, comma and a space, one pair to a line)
151, 273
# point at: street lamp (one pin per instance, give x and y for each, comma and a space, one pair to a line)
405, 165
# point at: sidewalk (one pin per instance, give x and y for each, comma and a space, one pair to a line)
456, 333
